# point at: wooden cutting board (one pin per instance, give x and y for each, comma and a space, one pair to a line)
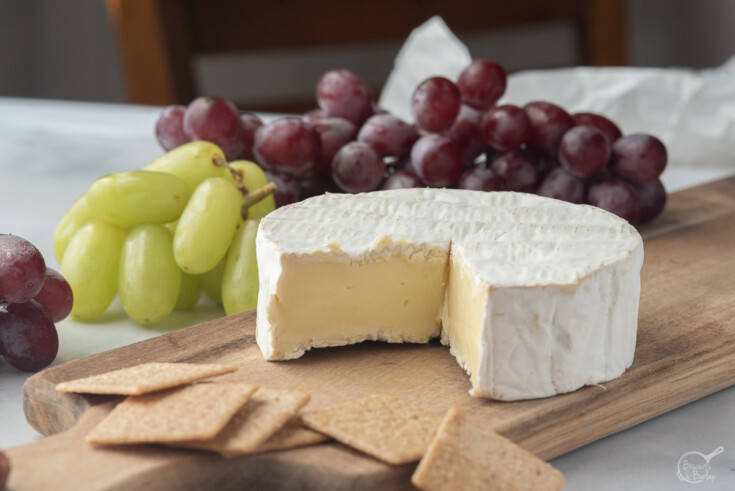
685, 350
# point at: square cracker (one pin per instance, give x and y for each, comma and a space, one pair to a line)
267, 411
384, 426
197, 411
143, 379
465, 456
292, 435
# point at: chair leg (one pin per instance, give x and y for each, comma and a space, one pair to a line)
154, 41
603, 33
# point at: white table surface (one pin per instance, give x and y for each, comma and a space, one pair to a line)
51, 151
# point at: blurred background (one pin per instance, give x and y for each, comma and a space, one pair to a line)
268, 55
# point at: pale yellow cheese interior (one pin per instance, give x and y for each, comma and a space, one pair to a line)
463, 317
332, 299
533, 296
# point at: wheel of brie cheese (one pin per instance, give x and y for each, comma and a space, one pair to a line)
534, 296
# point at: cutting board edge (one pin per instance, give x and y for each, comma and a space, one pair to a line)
39, 390
40, 397
657, 403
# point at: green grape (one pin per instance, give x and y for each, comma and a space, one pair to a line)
193, 162
78, 215
211, 282
207, 225
171, 226
240, 279
254, 178
149, 277
90, 265
189, 292
137, 197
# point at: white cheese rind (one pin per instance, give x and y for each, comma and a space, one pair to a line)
552, 340
561, 282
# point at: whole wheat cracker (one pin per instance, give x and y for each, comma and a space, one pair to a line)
143, 379
197, 411
384, 426
267, 411
469, 457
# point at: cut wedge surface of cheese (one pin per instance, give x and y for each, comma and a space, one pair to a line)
534, 296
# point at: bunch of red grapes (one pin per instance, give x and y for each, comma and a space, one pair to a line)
461, 139
32, 298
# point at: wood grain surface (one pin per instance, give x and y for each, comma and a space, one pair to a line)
685, 350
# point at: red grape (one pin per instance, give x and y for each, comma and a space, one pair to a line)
435, 104
357, 168
638, 158
506, 127
459, 138
465, 132
287, 190
343, 94
548, 123
170, 128
28, 337
610, 129
215, 120
250, 123
616, 196
481, 179
388, 135
584, 151
403, 179
518, 169
562, 185
22, 269
544, 165
334, 133
288, 145
55, 296
651, 197
482, 83
437, 160
313, 116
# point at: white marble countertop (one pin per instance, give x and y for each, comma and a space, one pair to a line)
51, 151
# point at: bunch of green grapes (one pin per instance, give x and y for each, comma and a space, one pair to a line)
158, 236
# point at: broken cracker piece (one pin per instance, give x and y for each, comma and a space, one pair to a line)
384, 426
267, 411
192, 412
143, 379
467, 457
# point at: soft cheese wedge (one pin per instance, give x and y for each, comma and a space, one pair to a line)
534, 296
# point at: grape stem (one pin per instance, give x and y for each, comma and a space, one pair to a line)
236, 174
249, 197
